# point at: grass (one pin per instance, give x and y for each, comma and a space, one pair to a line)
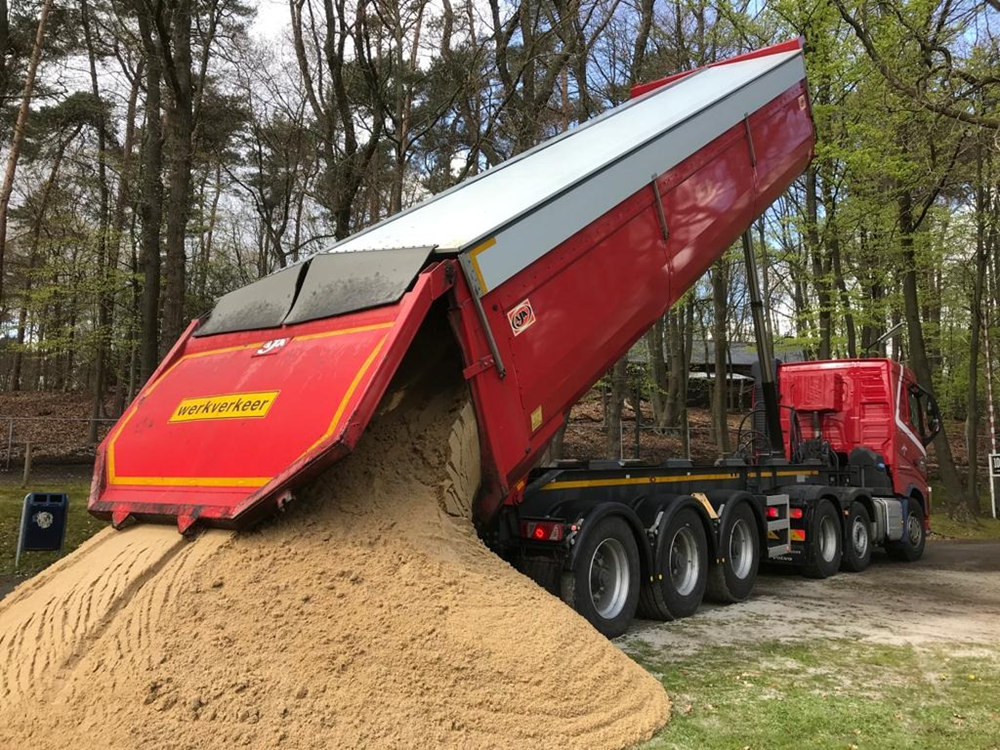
80, 524
828, 694
987, 528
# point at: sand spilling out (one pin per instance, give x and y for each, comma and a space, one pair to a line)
368, 615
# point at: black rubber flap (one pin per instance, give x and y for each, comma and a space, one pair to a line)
262, 304
339, 283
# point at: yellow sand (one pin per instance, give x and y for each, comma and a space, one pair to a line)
368, 615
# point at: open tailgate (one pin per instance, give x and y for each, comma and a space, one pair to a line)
229, 422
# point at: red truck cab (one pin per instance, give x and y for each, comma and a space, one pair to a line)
873, 404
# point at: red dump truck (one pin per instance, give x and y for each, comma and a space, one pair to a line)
548, 268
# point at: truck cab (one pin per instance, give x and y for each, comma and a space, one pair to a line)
857, 410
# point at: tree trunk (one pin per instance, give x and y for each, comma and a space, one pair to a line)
678, 374
658, 391
682, 390
955, 499
177, 72
19, 126
612, 426
151, 205
104, 266
720, 300
819, 270
978, 286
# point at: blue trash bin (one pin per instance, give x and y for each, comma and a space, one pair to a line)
43, 523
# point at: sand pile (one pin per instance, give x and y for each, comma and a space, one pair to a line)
368, 615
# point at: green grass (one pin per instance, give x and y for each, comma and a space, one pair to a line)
80, 524
827, 694
986, 527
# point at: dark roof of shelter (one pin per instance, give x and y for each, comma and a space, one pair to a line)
742, 353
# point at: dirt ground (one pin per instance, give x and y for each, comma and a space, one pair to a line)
951, 596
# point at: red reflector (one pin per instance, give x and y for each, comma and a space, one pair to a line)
795, 513
772, 512
543, 531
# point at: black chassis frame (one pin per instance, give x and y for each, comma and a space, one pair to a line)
578, 494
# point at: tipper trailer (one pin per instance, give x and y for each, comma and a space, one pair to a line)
548, 268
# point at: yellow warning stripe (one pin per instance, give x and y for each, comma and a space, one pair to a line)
577, 484
474, 259
344, 331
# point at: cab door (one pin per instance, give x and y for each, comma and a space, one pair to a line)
917, 423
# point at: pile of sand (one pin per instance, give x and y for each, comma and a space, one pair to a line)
368, 615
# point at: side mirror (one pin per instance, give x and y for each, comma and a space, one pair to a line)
928, 415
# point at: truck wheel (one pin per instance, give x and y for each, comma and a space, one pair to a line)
825, 542
858, 547
911, 547
604, 583
731, 578
681, 569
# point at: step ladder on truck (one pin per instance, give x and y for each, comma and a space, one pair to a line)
548, 268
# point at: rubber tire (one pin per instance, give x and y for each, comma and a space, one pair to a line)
904, 549
724, 586
575, 584
817, 567
659, 599
852, 561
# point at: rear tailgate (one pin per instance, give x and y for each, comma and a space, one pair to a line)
230, 422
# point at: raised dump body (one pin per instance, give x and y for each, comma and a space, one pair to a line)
551, 265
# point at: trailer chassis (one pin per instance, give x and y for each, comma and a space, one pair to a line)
620, 538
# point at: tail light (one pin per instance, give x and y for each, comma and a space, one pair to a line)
772, 512
796, 514
543, 531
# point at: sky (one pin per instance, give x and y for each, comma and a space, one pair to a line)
272, 18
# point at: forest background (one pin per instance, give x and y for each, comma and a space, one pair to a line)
159, 153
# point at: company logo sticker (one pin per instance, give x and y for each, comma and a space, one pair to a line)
521, 318
536, 419
271, 347
229, 406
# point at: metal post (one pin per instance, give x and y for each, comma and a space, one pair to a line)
27, 464
20, 534
994, 477
638, 417
992, 417
765, 352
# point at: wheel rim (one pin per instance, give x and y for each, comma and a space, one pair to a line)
827, 538
914, 529
859, 536
684, 563
609, 578
741, 549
